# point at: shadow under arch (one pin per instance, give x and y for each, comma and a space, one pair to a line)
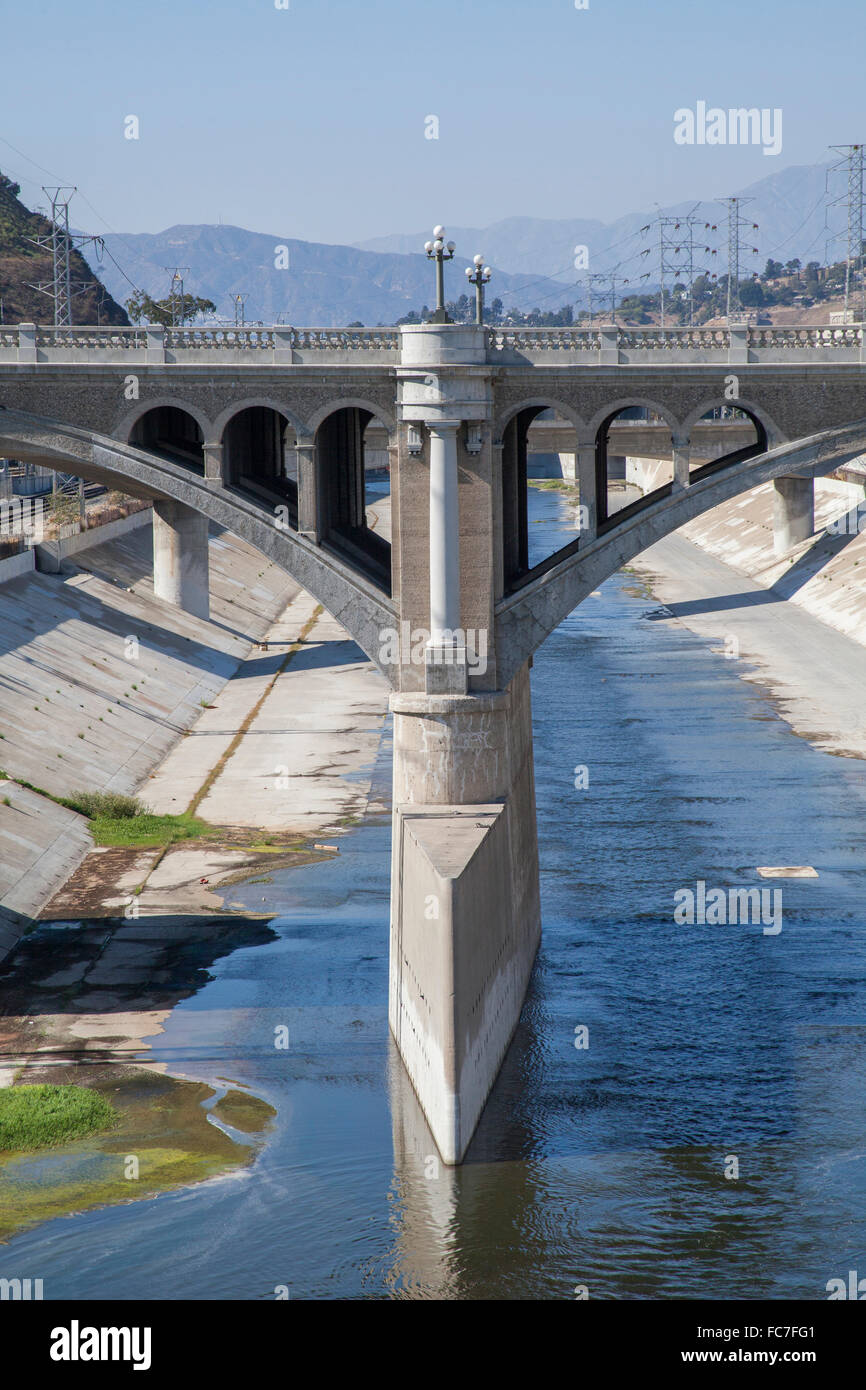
342, 494
514, 481
256, 459
357, 604
171, 432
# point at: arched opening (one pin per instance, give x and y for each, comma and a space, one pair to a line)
633, 463
173, 434
377, 479
260, 459
539, 450
352, 514
725, 434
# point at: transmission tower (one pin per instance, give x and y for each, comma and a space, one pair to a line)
239, 302
61, 242
676, 253
175, 293
595, 278
853, 200
736, 224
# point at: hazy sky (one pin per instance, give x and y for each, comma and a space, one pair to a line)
310, 121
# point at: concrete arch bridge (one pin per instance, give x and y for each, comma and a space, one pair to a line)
278, 435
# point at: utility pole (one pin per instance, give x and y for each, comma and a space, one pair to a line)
60, 242
853, 200
736, 223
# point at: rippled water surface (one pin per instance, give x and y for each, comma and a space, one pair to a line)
604, 1166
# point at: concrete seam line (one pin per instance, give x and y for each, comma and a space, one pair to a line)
218, 767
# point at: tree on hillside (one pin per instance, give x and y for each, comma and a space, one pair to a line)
173, 311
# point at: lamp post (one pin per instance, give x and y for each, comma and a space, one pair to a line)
438, 251
479, 279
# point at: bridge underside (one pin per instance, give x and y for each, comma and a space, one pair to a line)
465, 892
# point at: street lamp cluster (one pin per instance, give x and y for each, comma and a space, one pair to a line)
440, 251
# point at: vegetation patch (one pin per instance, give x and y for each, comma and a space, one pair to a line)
37, 1117
247, 1113
162, 1141
125, 822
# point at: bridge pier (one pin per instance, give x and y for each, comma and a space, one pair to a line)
793, 512
465, 904
180, 557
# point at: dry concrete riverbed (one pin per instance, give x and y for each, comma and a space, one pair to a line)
277, 764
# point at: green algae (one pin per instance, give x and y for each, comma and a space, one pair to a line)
246, 1113
162, 1141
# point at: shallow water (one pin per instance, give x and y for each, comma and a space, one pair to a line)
602, 1167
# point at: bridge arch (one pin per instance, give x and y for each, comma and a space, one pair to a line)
511, 438
539, 403
357, 604
375, 409
262, 402
127, 422
616, 407
255, 458
525, 619
346, 521
760, 416
172, 432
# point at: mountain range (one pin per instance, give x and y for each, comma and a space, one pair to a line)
321, 285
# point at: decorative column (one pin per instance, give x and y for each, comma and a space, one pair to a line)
587, 483
444, 534
213, 464
308, 491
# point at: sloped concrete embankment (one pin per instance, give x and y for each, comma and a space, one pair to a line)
825, 574
98, 682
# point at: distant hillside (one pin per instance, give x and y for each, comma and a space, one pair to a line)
533, 259
789, 207
23, 265
322, 286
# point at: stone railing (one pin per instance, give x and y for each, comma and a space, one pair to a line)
258, 346
278, 345
609, 345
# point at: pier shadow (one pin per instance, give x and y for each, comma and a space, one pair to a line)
112, 967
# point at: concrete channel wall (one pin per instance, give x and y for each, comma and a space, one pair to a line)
98, 680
